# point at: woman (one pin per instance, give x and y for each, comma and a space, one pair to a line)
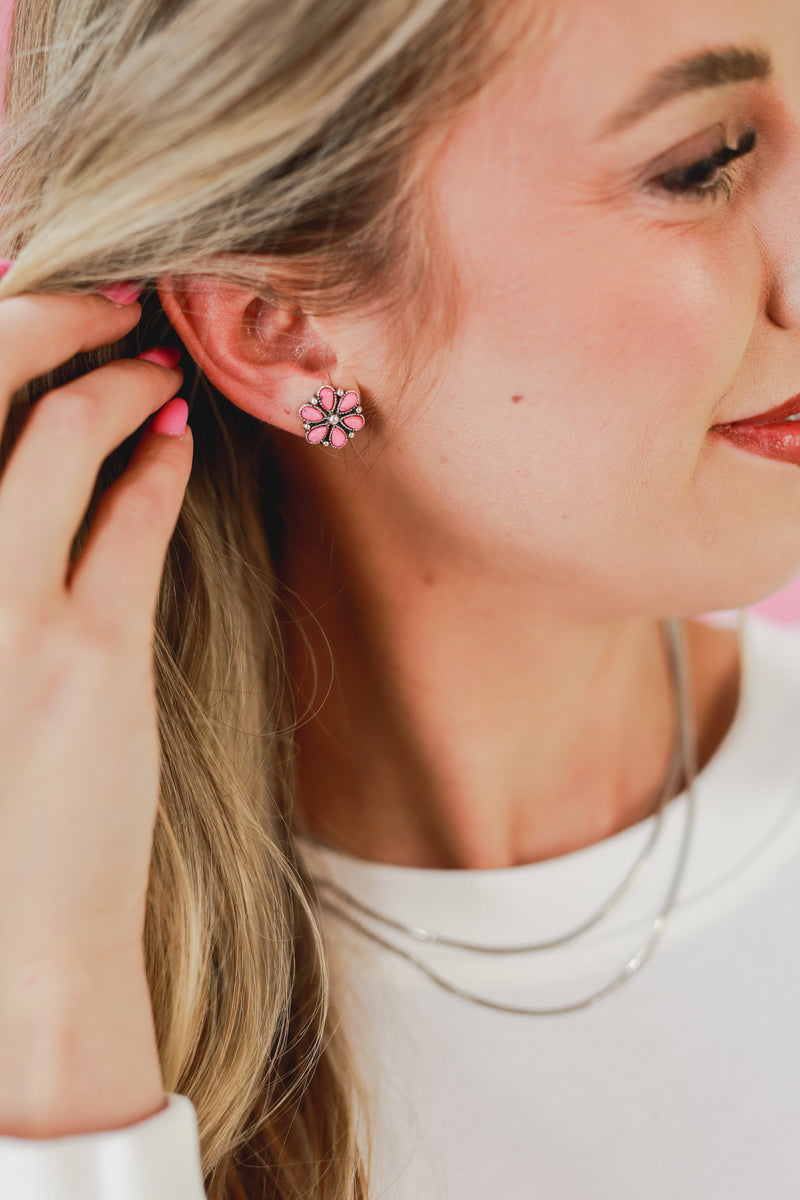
487, 318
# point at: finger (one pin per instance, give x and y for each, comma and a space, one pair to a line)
52, 471
39, 331
116, 580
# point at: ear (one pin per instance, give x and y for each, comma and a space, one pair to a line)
265, 359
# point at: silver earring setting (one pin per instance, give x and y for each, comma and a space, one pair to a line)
332, 417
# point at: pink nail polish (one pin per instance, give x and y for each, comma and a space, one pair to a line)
172, 418
122, 293
5, 265
164, 356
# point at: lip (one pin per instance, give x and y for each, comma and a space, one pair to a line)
787, 409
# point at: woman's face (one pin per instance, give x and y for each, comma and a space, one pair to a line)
609, 323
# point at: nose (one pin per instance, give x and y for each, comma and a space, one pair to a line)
779, 234
783, 299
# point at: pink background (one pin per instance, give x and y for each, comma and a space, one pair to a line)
784, 606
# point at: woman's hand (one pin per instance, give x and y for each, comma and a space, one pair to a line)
79, 749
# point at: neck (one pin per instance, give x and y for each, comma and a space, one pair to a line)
456, 723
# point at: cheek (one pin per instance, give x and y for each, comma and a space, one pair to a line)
588, 371
606, 317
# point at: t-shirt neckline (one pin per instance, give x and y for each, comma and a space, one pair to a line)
742, 795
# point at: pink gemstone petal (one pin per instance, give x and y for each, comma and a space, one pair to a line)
310, 413
338, 437
316, 434
326, 397
354, 421
349, 400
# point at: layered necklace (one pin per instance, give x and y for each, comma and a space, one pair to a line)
683, 764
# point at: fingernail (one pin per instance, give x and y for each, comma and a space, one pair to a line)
122, 293
165, 356
172, 418
5, 265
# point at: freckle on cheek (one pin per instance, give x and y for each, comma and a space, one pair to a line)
515, 399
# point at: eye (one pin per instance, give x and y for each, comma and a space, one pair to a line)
707, 177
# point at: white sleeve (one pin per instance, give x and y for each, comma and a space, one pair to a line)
158, 1158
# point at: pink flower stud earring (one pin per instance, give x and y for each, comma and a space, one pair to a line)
332, 417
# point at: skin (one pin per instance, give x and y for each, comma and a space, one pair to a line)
79, 742
488, 568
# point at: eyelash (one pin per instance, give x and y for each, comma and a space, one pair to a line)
683, 183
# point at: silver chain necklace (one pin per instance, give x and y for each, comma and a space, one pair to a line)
684, 755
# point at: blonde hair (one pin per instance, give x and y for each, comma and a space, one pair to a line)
279, 145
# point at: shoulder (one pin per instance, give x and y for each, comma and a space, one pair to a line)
741, 677
772, 642
771, 670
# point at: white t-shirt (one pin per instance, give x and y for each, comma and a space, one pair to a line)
685, 1082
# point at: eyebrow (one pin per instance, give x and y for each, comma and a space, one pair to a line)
734, 64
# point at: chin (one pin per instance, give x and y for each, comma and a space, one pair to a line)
747, 588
